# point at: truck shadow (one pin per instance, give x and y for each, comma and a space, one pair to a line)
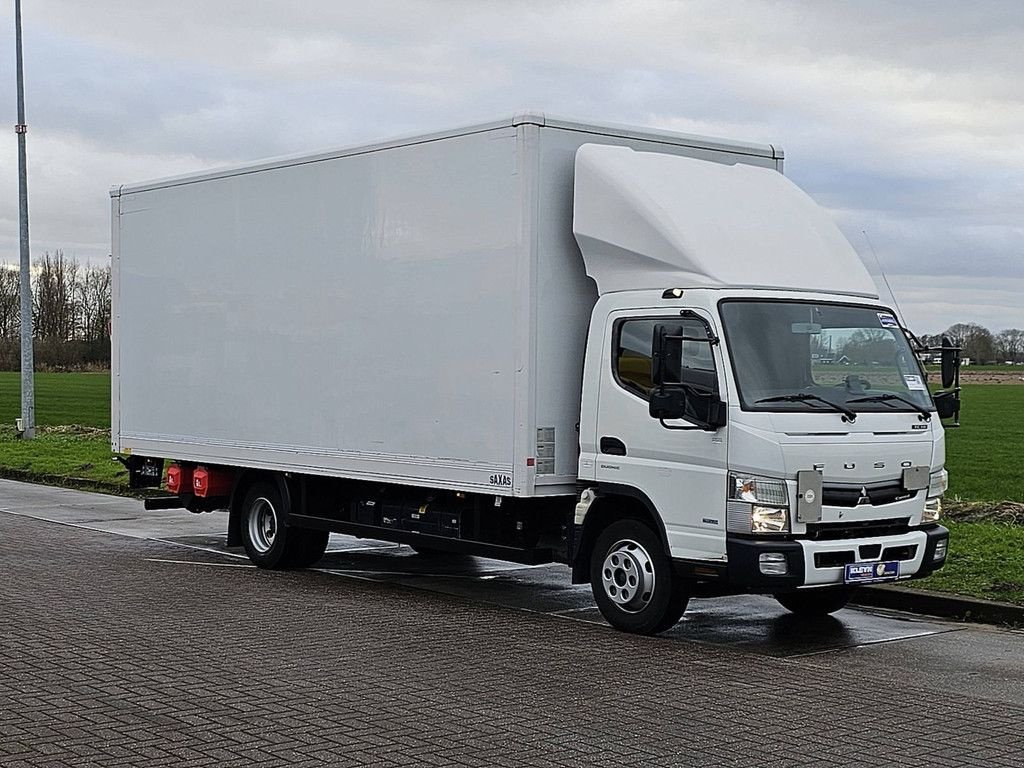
754, 623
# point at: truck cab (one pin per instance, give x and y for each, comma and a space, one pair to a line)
778, 435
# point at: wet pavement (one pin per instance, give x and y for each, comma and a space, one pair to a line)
446, 660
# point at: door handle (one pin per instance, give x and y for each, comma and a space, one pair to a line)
613, 446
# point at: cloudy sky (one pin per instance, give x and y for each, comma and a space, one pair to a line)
905, 118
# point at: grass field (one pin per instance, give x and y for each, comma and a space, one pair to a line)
61, 398
985, 458
72, 436
77, 456
985, 560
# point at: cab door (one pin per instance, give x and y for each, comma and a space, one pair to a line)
680, 467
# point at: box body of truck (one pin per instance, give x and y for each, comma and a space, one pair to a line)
410, 312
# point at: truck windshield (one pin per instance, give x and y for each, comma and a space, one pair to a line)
793, 355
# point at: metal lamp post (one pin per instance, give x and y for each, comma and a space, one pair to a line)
28, 400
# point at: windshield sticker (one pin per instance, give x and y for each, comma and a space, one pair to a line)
914, 382
887, 321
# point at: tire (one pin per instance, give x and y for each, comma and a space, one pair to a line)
306, 546
815, 602
269, 542
633, 581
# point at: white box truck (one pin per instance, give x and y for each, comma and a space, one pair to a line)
643, 354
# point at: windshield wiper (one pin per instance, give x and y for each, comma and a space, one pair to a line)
802, 397
926, 415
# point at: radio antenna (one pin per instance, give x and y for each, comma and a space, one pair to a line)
892, 296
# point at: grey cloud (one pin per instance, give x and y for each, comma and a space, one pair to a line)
905, 119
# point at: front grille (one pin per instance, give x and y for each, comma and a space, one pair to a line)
836, 495
894, 526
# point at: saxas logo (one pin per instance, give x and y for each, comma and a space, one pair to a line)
502, 481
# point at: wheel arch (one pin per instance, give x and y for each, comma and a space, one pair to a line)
613, 502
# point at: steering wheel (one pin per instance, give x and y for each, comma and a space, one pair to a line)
854, 383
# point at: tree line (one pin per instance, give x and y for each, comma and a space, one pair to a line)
71, 320
70, 314
981, 345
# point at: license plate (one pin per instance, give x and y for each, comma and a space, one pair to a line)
872, 573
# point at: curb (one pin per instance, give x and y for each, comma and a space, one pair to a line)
946, 606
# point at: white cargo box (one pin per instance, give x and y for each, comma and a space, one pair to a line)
411, 312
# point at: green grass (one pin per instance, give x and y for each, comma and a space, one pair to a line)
60, 453
986, 560
63, 456
985, 456
61, 398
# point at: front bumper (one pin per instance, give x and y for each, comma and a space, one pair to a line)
819, 563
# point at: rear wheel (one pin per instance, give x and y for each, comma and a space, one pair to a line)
633, 581
815, 602
270, 543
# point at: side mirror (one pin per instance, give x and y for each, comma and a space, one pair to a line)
668, 403
668, 399
675, 395
704, 409
666, 357
947, 404
949, 363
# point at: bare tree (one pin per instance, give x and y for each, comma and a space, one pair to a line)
55, 304
977, 342
10, 303
93, 291
1010, 345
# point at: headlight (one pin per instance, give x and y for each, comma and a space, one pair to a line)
938, 482
759, 490
757, 505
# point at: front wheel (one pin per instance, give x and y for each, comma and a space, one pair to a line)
632, 579
270, 543
815, 602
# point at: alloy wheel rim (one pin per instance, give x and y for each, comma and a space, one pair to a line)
627, 576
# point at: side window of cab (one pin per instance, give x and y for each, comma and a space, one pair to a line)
632, 343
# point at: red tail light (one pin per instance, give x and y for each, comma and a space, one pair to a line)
212, 482
179, 479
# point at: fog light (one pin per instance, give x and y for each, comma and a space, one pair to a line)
773, 564
940, 550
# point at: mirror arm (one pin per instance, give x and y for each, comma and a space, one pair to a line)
681, 428
712, 339
918, 346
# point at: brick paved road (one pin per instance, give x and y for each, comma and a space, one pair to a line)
109, 656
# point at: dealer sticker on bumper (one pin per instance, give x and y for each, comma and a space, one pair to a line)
864, 573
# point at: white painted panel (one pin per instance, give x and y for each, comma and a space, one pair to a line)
644, 220
353, 308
